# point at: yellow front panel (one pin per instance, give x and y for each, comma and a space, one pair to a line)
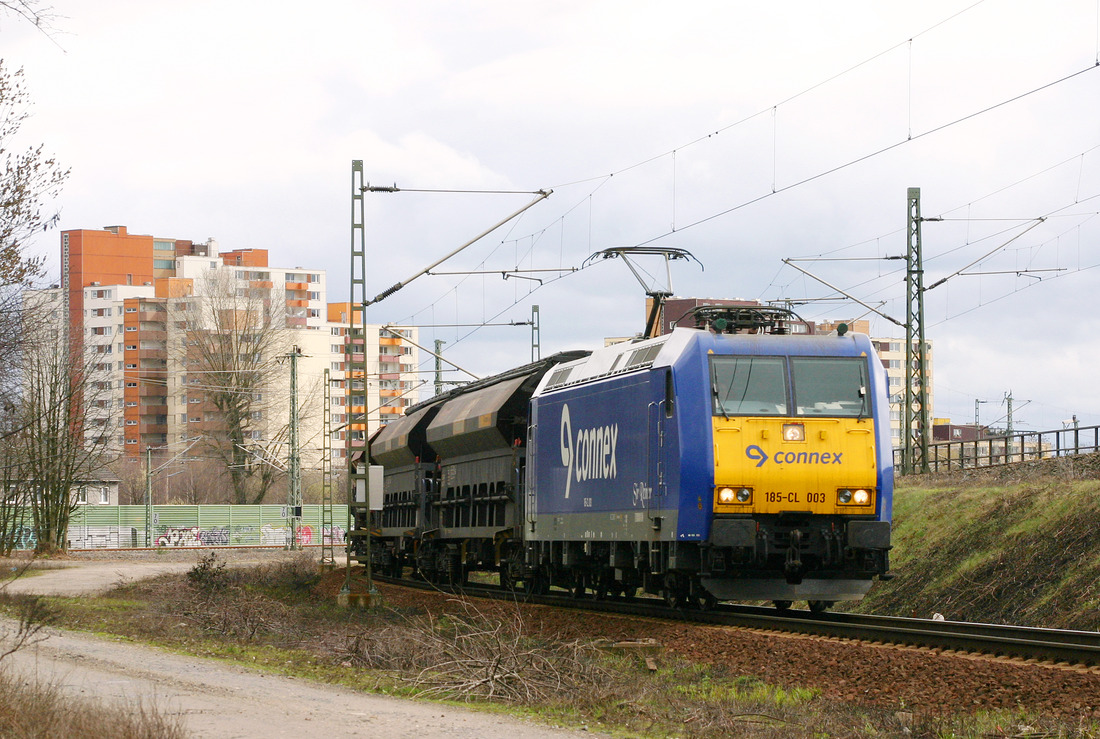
794, 475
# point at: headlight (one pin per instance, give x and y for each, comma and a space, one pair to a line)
794, 432
734, 496
858, 496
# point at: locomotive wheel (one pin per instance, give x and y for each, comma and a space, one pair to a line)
820, 606
506, 581
578, 586
705, 601
782, 605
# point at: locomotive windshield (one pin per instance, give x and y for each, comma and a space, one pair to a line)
830, 386
749, 386
758, 386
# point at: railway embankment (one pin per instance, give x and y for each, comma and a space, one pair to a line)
1012, 545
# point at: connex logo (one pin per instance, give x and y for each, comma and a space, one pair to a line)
590, 455
759, 456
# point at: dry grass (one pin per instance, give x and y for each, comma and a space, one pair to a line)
30, 710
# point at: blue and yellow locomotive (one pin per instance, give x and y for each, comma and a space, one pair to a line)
733, 461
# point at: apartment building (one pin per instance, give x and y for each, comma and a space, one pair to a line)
145, 307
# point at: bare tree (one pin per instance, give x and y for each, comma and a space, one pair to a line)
26, 180
55, 444
232, 335
32, 11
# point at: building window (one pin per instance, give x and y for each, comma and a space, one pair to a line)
82, 495
104, 495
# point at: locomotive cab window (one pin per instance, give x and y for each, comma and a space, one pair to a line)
830, 386
749, 386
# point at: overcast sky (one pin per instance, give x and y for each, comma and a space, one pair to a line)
745, 133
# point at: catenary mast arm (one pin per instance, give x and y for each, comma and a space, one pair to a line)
542, 195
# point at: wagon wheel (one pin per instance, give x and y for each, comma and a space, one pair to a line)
782, 605
675, 595
579, 582
507, 582
604, 586
705, 601
820, 606
535, 584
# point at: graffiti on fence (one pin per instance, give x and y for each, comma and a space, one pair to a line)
189, 536
333, 535
215, 537
25, 538
272, 536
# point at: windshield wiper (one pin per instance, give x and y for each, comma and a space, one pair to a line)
714, 392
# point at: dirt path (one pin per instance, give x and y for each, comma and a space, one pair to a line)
219, 699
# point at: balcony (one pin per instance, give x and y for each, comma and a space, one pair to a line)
297, 286
297, 303
262, 284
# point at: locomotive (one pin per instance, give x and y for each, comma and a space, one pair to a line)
738, 460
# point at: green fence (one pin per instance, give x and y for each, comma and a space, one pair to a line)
124, 527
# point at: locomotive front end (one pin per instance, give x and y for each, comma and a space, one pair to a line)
802, 476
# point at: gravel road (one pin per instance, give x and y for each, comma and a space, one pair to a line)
219, 699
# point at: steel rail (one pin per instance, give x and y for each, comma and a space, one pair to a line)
1048, 645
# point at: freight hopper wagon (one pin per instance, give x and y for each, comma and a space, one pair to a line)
454, 475
709, 465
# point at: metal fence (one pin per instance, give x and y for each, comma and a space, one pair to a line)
945, 456
124, 527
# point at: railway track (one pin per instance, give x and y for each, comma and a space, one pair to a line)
1051, 646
